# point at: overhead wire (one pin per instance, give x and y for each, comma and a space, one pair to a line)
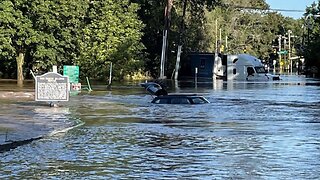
260, 8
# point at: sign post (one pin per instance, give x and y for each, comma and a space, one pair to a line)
52, 87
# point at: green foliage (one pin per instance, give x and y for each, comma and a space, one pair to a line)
16, 30
152, 15
82, 32
112, 34
129, 33
312, 36
247, 30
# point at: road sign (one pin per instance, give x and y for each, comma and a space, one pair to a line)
72, 72
52, 87
282, 52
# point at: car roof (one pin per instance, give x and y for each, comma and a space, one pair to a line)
172, 99
179, 95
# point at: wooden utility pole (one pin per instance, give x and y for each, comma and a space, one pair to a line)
164, 55
180, 41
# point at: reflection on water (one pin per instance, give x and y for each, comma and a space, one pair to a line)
248, 131
22, 122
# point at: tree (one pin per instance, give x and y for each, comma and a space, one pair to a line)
60, 23
247, 27
242, 26
312, 38
112, 33
17, 33
152, 15
41, 33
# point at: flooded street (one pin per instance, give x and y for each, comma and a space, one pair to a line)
265, 130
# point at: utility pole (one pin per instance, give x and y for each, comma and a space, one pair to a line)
220, 32
289, 53
285, 58
215, 70
176, 72
216, 35
280, 52
226, 44
164, 55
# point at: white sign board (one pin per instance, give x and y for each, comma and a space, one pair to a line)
52, 87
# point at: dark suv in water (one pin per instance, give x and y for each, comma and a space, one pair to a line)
180, 99
162, 96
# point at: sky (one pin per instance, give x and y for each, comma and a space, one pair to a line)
291, 5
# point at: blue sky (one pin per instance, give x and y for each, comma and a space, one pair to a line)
291, 5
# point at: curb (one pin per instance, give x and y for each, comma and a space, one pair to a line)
14, 144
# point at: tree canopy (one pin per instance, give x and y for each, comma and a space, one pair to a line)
311, 44
40, 33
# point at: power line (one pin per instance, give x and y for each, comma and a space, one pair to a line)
287, 10
261, 9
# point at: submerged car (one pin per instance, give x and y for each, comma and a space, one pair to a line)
162, 96
180, 99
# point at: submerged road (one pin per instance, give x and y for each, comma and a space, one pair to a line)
22, 120
250, 130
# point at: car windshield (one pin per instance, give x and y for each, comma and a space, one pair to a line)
260, 69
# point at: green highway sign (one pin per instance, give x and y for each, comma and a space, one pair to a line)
72, 72
283, 52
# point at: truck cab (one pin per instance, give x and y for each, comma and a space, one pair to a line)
247, 68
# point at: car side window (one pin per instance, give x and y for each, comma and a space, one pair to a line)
250, 71
161, 101
157, 101
198, 101
180, 101
184, 101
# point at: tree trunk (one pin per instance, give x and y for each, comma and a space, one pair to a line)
20, 62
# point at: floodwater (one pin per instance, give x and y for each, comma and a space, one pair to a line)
265, 130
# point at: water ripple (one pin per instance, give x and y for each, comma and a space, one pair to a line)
249, 131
